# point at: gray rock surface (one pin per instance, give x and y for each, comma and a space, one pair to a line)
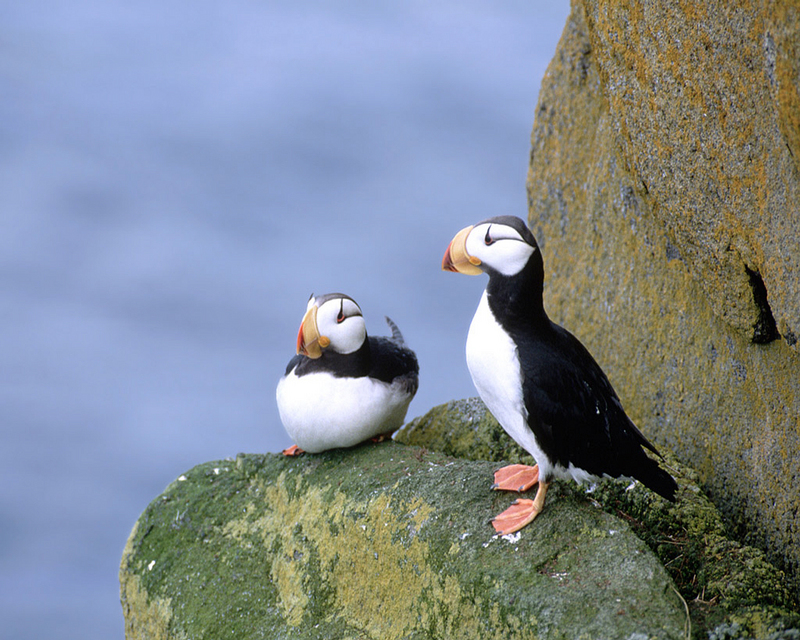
664, 190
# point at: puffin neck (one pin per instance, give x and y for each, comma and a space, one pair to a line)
518, 298
355, 364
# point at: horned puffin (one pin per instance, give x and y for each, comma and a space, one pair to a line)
538, 380
343, 386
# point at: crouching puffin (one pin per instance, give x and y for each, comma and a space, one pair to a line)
538, 380
343, 386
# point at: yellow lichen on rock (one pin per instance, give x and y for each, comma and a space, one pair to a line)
369, 556
653, 187
703, 109
151, 621
146, 617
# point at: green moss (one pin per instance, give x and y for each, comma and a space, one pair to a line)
719, 578
722, 580
384, 541
463, 429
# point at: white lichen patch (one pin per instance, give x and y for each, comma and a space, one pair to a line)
512, 537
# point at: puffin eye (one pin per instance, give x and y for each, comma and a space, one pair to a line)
340, 316
488, 240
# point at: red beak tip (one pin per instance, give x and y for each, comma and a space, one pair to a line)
447, 261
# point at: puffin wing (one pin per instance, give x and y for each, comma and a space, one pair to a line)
393, 362
577, 416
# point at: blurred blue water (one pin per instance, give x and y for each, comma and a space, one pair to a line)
175, 180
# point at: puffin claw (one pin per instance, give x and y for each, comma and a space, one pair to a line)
381, 437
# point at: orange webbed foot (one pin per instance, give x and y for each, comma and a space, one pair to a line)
521, 512
293, 451
516, 477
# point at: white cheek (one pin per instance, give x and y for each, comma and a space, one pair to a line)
347, 336
512, 256
508, 254
326, 317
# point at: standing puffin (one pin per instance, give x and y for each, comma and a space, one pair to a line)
538, 380
344, 387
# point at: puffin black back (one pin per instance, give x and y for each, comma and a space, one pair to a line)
572, 407
379, 357
394, 361
340, 365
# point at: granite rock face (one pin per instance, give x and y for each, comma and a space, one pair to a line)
703, 110
664, 191
382, 541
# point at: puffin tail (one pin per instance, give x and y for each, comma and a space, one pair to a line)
396, 335
656, 479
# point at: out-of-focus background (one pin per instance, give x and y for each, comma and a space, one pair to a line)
175, 179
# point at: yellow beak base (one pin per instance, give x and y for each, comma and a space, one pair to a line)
309, 342
456, 258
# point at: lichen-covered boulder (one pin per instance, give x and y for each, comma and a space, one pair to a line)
663, 190
727, 585
382, 541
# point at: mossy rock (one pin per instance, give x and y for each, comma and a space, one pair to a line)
382, 541
463, 429
726, 584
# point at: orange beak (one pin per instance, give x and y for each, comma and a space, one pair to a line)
456, 258
309, 342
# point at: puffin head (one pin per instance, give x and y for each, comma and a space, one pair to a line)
332, 322
503, 245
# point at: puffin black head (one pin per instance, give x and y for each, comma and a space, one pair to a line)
501, 246
332, 322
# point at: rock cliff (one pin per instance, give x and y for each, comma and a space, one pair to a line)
664, 190
393, 541
380, 542
729, 587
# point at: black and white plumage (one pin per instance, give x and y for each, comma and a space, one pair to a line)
343, 386
538, 380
